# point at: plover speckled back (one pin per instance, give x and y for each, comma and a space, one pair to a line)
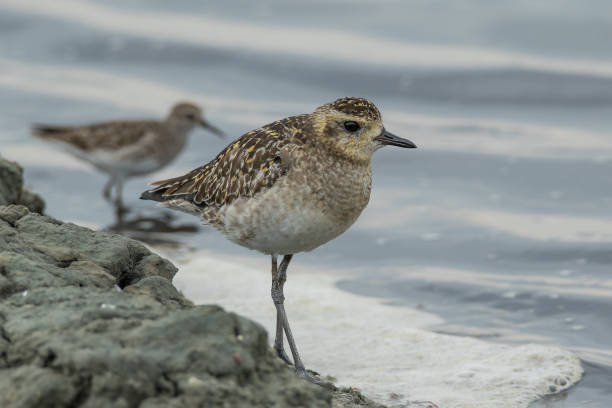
124, 149
287, 187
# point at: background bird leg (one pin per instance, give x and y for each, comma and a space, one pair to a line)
120, 209
119, 194
107, 188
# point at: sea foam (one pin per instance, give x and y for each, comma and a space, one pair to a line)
385, 351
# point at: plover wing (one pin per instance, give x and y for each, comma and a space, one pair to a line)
251, 163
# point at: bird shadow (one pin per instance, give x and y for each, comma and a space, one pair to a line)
154, 229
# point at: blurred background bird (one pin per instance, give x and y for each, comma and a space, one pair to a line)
128, 148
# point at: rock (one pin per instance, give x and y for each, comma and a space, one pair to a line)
91, 319
12, 190
11, 182
160, 289
352, 398
32, 201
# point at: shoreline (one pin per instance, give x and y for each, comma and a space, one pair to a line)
393, 359
89, 317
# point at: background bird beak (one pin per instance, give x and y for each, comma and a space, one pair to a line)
213, 129
386, 138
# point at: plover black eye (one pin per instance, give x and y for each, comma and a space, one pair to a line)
351, 126
190, 116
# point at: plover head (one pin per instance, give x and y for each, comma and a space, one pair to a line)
353, 128
184, 116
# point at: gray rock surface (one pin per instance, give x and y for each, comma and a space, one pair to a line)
91, 319
12, 190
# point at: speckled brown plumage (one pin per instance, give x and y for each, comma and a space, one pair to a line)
249, 164
254, 161
305, 163
359, 107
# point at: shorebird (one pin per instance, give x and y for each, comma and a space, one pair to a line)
287, 187
124, 149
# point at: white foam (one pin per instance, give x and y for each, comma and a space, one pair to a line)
278, 39
379, 348
530, 225
547, 285
123, 91
499, 137
542, 227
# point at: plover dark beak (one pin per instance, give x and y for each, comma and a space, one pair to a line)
212, 128
387, 138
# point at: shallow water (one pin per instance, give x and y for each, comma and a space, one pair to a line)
499, 223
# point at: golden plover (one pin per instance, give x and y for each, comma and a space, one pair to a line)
287, 187
128, 148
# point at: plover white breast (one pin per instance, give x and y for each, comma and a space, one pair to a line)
287, 187
124, 149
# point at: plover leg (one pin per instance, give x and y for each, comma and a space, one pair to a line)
278, 339
278, 297
120, 209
